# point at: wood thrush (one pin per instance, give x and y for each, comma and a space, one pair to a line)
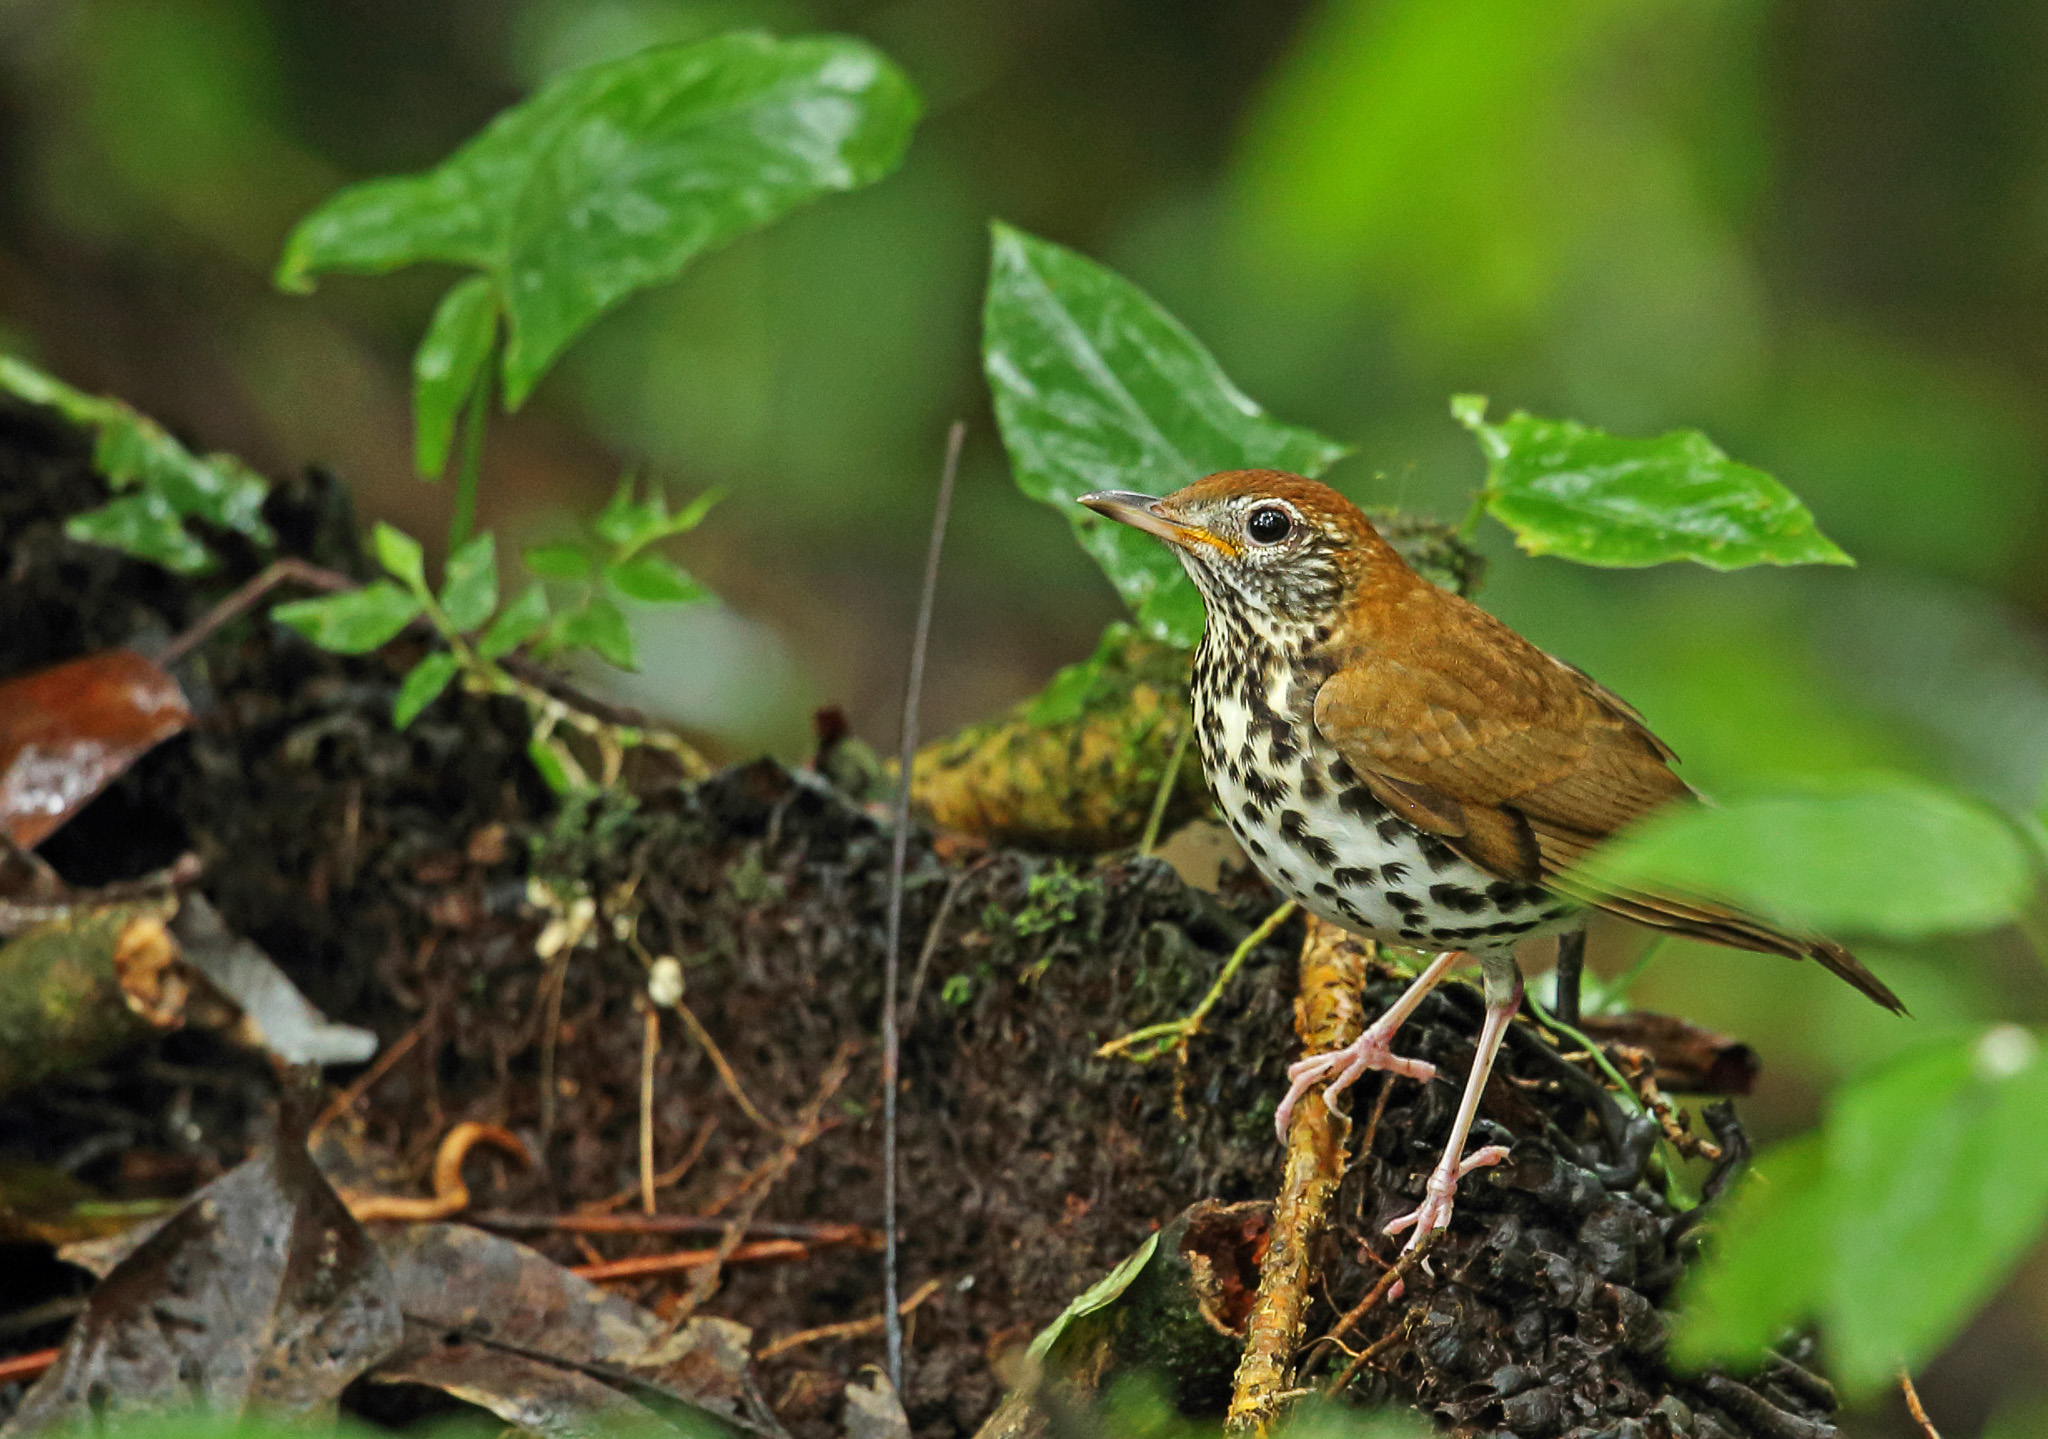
1410, 769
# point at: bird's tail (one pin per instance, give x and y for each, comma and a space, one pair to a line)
1719, 924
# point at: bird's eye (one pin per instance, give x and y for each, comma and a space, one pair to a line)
1269, 525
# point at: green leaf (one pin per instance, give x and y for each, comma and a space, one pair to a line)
423, 686
1876, 855
517, 623
354, 622
1940, 1187
653, 580
1104, 1291
145, 526
448, 366
553, 771
1098, 388
133, 451
599, 626
1769, 1269
626, 522
401, 556
469, 587
566, 561
1566, 489
615, 176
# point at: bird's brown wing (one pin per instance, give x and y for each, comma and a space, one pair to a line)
1523, 765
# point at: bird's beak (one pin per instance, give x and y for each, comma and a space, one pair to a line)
1141, 512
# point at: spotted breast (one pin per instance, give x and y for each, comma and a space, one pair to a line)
1312, 826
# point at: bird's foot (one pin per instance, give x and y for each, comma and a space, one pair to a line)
1435, 1210
1371, 1050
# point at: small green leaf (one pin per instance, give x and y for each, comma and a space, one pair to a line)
553, 771
354, 622
448, 366
1566, 489
1104, 1291
131, 450
615, 176
143, 525
1098, 388
1937, 1144
564, 561
401, 556
626, 522
653, 580
1878, 855
423, 686
692, 515
599, 626
517, 623
469, 587
1769, 1269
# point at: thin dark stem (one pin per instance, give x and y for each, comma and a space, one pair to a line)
898, 860
475, 415
1571, 968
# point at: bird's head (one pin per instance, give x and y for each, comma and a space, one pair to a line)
1290, 550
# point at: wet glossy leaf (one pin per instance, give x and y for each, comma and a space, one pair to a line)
615, 176
145, 526
422, 686
653, 580
517, 623
559, 562
1567, 489
355, 622
69, 731
401, 555
133, 451
598, 625
1098, 388
447, 367
1939, 1189
1833, 861
469, 586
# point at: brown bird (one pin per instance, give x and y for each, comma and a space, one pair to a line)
1408, 768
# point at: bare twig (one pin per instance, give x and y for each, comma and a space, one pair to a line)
817, 1231
898, 861
1915, 1407
663, 1180
650, 1050
20, 1368
363, 1083
1388, 1282
1327, 1016
932, 935
849, 1329
726, 1076
762, 1181
244, 599
685, 1261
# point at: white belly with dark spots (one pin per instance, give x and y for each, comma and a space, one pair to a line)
1339, 852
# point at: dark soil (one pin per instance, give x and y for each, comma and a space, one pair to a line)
389, 875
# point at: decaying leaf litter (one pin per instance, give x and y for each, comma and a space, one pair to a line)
407, 884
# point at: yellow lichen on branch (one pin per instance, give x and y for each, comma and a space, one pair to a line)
1327, 1015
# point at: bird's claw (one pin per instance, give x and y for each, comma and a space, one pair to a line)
1371, 1050
1435, 1210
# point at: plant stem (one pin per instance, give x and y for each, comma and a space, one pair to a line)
1167, 781
476, 413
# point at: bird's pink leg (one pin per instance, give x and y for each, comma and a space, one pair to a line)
1371, 1050
1435, 1210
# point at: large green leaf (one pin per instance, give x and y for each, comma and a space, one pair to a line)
1566, 489
614, 177
1877, 855
1940, 1186
1769, 1269
353, 622
134, 452
1098, 388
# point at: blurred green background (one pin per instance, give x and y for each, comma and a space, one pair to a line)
1815, 228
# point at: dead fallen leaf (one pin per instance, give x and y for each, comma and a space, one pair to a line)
67, 732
